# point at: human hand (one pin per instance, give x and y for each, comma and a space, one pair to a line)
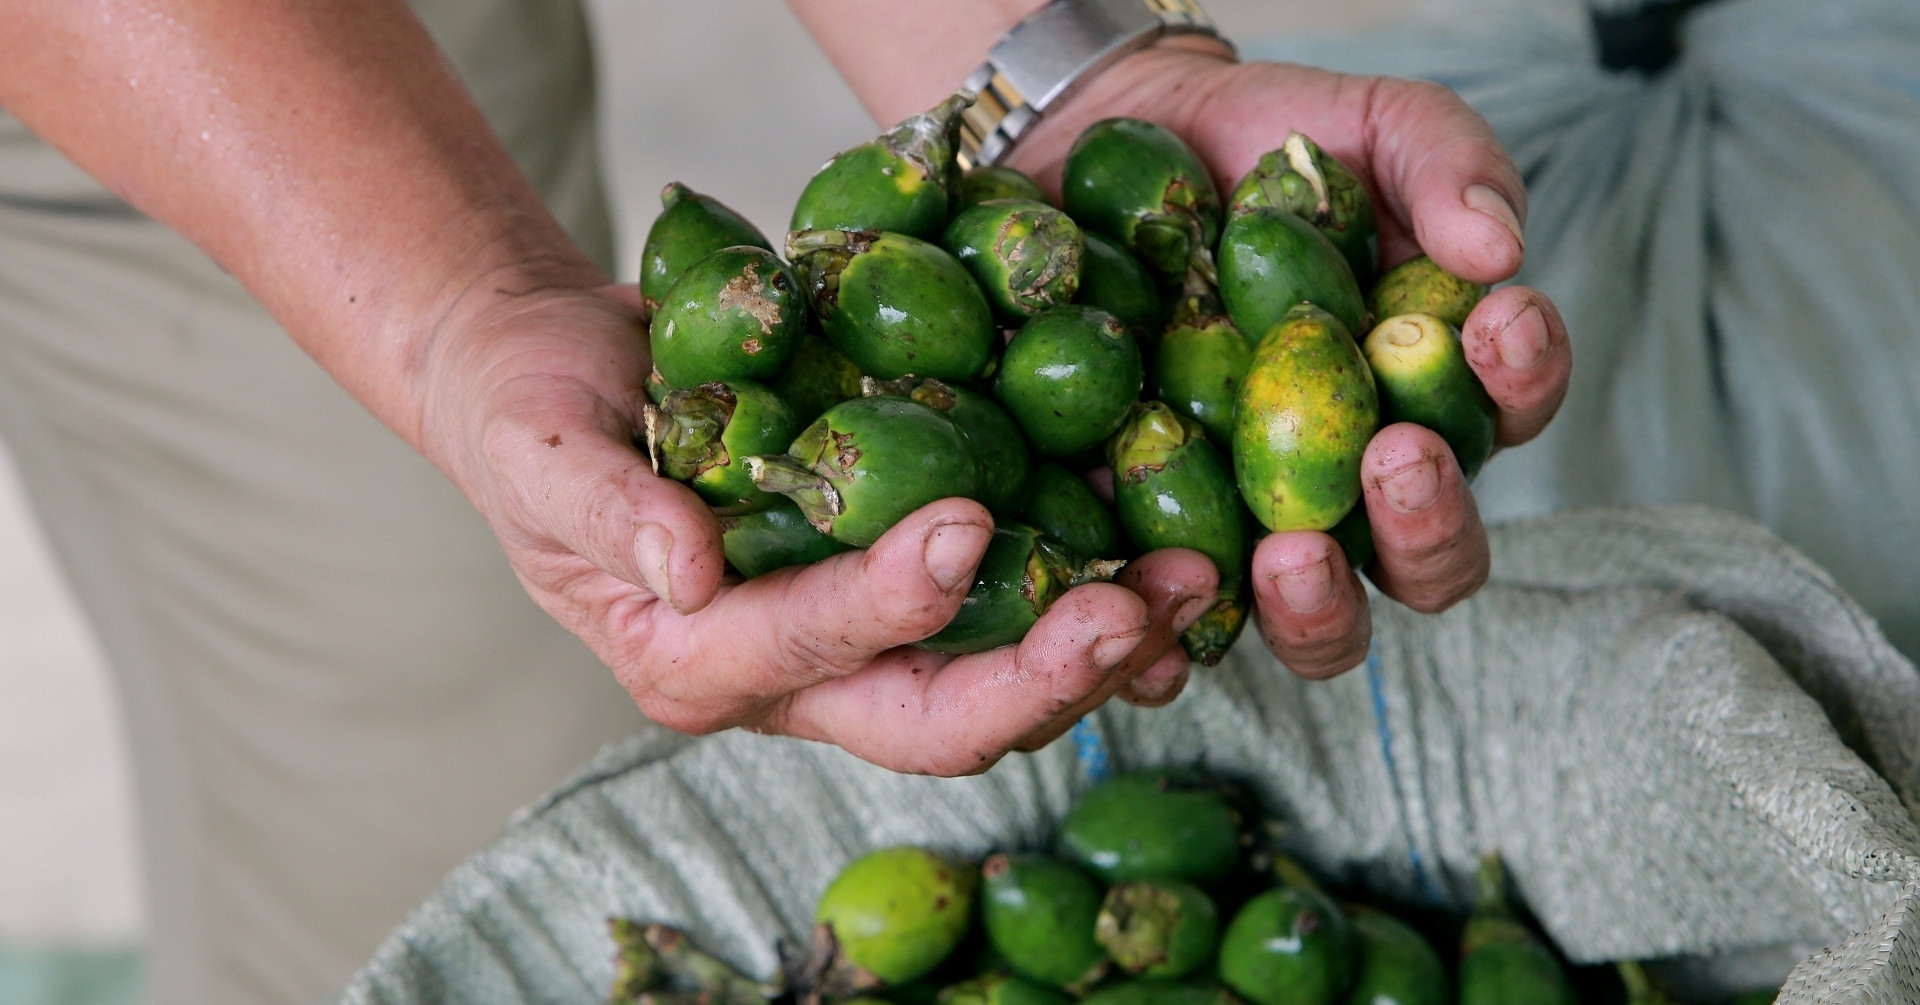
533, 401
1441, 184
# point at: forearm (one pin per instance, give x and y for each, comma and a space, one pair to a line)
320, 152
903, 56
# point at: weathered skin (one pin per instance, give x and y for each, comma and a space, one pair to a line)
1061, 504
1022, 573
1112, 279
1039, 913
1397, 966
896, 305
703, 436
993, 181
1305, 414
991, 433
1271, 261
819, 378
1420, 286
1288, 946
1162, 928
690, 227
900, 182
1068, 377
1001, 989
758, 543
1024, 253
1421, 372
1312, 184
896, 913
1153, 825
868, 462
1144, 187
737, 314
1172, 488
1501, 961
1201, 361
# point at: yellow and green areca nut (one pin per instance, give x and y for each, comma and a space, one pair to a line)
1305, 415
1420, 286
896, 913
1312, 184
1423, 377
899, 182
1025, 255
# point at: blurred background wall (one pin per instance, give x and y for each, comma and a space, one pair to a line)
727, 95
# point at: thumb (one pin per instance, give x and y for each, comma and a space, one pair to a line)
1444, 176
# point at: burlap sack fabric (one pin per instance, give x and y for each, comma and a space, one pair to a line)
1638, 713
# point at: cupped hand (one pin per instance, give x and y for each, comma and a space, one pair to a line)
1442, 185
533, 402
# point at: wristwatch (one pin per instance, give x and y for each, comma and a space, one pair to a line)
1046, 57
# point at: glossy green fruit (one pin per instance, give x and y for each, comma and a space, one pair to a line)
868, 462
1420, 286
703, 436
1068, 377
1153, 825
1501, 961
896, 305
1172, 488
819, 378
1022, 573
992, 435
737, 314
1039, 913
1272, 261
1305, 415
1354, 535
1060, 503
1288, 946
1422, 375
1200, 362
897, 912
1001, 989
1310, 183
690, 227
993, 181
758, 543
1162, 928
899, 182
1209, 639
1024, 254
1115, 281
1159, 993
1141, 185
1397, 965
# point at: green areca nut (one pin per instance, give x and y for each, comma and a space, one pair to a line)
774, 538
1271, 261
1422, 374
1312, 184
1288, 946
993, 181
992, 436
1201, 361
1061, 503
1153, 825
703, 435
1141, 185
1113, 280
1397, 966
894, 914
1022, 573
896, 305
1420, 286
1172, 488
737, 314
1039, 912
1162, 928
899, 182
819, 378
1024, 254
1068, 378
690, 227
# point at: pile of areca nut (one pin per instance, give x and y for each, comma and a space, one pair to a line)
932, 334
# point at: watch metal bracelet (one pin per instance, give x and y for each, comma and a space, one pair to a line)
1047, 56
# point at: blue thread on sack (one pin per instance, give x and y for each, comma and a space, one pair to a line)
1377, 687
1091, 748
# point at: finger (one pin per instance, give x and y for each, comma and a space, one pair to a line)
1430, 550
794, 628
1178, 585
1161, 683
1447, 186
573, 473
1313, 610
1517, 343
907, 712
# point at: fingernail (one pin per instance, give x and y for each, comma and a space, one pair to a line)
1109, 651
1414, 487
1523, 342
1189, 612
1484, 199
1306, 589
952, 551
652, 550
